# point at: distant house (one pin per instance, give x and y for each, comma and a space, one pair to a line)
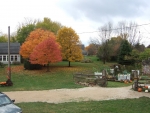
14, 52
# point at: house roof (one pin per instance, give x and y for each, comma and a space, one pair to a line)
14, 48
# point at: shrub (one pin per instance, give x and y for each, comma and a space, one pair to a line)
1, 64
86, 60
29, 66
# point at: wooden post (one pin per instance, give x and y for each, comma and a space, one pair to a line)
135, 80
104, 73
104, 79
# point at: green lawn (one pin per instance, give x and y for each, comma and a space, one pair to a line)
60, 76
141, 105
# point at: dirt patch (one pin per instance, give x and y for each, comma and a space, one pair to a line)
75, 95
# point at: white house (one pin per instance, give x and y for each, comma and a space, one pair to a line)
14, 52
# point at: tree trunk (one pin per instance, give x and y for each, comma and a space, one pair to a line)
69, 63
48, 67
104, 61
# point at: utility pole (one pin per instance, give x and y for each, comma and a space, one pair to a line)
9, 68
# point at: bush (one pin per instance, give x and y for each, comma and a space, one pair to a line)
86, 60
126, 62
1, 64
29, 66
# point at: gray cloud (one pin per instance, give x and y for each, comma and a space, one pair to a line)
105, 10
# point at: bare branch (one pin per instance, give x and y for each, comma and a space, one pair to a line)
129, 31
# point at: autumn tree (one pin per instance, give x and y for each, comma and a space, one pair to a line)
48, 24
115, 43
35, 37
46, 52
70, 44
91, 49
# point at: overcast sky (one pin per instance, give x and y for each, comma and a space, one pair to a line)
81, 15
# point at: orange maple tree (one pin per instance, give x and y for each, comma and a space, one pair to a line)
35, 37
46, 52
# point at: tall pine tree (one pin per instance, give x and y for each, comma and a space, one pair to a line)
125, 50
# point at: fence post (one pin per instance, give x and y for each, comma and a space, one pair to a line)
135, 80
104, 73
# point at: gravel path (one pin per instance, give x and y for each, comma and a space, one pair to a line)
75, 95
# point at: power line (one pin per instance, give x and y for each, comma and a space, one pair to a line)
88, 32
146, 30
114, 29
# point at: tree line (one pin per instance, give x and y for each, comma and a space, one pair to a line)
121, 44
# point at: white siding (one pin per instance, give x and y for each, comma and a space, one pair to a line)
13, 58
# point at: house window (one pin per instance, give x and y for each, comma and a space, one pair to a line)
12, 58
15, 57
4, 58
0, 58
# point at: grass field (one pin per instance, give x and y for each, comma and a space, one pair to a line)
141, 105
60, 76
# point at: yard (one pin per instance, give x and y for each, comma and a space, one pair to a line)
61, 76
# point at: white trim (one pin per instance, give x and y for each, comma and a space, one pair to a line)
16, 58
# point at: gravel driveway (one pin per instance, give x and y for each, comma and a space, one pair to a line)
75, 95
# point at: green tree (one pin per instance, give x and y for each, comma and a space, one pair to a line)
24, 31
3, 38
125, 50
13, 37
135, 57
135, 54
139, 47
145, 54
48, 24
104, 51
70, 44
